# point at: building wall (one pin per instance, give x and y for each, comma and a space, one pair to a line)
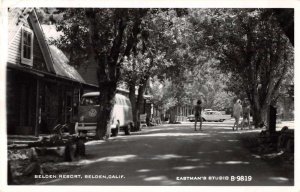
58, 105
36, 99
14, 48
21, 105
179, 113
36, 104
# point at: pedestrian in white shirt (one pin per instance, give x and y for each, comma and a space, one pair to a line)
237, 112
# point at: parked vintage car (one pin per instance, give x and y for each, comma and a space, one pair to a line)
89, 108
211, 116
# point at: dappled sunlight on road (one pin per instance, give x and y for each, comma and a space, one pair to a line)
95, 142
279, 179
209, 126
173, 134
158, 129
163, 180
166, 156
231, 162
202, 152
188, 167
256, 156
193, 160
158, 155
122, 159
272, 155
241, 131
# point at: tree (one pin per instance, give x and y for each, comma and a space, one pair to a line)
131, 41
150, 52
185, 70
252, 50
97, 35
285, 18
163, 95
182, 56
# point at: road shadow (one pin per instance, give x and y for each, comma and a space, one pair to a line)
168, 155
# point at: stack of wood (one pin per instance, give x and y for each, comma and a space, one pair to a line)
25, 159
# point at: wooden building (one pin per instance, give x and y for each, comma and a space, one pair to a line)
42, 89
88, 71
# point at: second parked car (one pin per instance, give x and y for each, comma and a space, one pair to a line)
211, 116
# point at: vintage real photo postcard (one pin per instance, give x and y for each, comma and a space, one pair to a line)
148, 96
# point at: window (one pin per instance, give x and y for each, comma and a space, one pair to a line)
118, 101
123, 101
128, 102
89, 101
27, 46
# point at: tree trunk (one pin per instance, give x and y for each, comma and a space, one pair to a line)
131, 46
107, 93
172, 115
109, 68
139, 101
142, 86
132, 98
259, 114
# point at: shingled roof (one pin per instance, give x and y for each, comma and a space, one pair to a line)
61, 62
61, 66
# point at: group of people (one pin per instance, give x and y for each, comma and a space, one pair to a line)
238, 111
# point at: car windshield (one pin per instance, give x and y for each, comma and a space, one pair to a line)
88, 101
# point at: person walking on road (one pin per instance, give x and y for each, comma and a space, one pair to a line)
246, 115
237, 111
198, 109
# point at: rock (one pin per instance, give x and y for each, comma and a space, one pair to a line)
283, 129
10, 179
33, 168
80, 148
69, 153
290, 145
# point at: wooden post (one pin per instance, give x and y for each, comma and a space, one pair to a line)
272, 119
186, 110
37, 107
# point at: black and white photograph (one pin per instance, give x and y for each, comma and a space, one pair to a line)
148, 96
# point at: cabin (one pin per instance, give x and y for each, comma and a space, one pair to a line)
88, 72
42, 89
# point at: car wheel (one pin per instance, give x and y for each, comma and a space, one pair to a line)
128, 128
115, 131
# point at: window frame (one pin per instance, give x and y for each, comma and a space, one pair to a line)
25, 60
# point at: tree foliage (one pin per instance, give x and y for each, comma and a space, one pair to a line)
153, 53
252, 50
191, 53
98, 36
